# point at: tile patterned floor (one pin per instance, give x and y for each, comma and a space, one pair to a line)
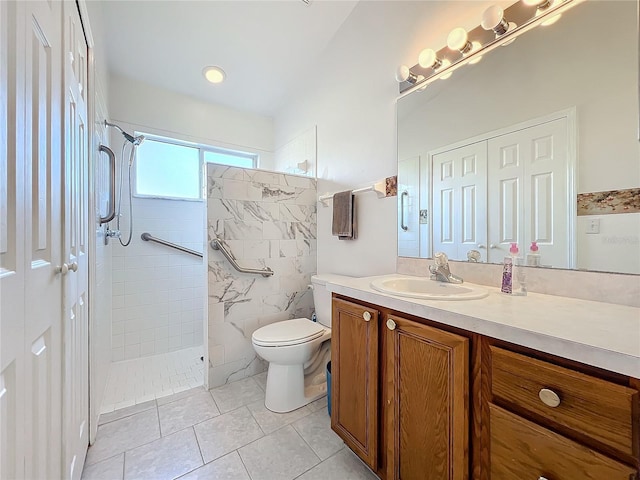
140, 380
224, 434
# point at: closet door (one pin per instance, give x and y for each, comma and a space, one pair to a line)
460, 201
75, 245
528, 185
30, 241
12, 245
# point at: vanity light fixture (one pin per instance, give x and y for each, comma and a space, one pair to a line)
214, 74
493, 19
539, 4
403, 74
458, 39
429, 59
468, 47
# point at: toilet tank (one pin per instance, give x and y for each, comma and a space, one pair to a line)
322, 299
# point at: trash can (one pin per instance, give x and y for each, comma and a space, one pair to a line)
329, 388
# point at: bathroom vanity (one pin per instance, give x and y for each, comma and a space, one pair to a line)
503, 387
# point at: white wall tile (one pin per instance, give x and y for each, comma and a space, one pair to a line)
150, 281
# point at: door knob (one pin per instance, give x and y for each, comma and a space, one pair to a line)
366, 316
493, 245
73, 266
63, 269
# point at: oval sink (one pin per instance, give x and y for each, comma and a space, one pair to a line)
425, 288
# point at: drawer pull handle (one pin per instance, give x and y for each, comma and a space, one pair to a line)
391, 325
549, 398
366, 316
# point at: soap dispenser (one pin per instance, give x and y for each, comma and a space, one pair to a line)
533, 257
517, 271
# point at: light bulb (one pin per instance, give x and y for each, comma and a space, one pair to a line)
428, 59
214, 74
403, 74
493, 19
459, 40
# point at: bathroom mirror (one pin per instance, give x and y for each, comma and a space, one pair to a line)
536, 142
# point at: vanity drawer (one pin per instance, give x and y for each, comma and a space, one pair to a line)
587, 405
521, 449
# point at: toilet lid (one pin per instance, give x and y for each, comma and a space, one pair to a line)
288, 332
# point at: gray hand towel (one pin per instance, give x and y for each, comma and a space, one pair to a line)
343, 215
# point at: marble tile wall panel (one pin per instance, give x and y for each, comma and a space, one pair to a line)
268, 220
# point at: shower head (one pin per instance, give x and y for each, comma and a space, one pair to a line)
134, 140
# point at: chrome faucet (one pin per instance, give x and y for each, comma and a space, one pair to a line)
440, 270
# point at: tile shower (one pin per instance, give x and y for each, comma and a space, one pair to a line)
267, 219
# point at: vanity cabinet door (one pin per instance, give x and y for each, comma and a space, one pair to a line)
427, 373
354, 378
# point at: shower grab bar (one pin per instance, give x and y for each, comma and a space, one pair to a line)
402, 224
147, 237
112, 185
218, 244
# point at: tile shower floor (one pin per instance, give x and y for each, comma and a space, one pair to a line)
224, 434
139, 380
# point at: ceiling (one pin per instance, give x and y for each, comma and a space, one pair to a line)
266, 47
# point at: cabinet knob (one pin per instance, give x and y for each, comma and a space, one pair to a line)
63, 269
542, 478
366, 316
73, 266
391, 325
549, 398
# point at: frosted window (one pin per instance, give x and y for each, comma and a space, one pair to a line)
232, 159
167, 170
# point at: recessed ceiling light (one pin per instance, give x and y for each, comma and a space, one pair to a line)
214, 74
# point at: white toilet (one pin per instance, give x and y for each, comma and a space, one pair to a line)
297, 351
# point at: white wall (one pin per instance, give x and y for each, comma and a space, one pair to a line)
161, 112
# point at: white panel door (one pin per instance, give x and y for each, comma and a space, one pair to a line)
30, 240
12, 247
460, 201
75, 233
504, 222
528, 181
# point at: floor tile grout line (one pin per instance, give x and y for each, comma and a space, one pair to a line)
237, 450
199, 447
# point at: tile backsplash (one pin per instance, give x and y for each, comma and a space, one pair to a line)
266, 219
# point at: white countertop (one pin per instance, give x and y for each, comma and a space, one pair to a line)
600, 334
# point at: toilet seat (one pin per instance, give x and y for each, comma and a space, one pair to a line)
288, 332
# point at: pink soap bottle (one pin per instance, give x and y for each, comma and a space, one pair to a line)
533, 257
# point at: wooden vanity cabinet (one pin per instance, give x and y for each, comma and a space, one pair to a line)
419, 402
354, 378
400, 393
552, 422
427, 380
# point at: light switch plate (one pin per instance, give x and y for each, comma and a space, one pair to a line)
593, 225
